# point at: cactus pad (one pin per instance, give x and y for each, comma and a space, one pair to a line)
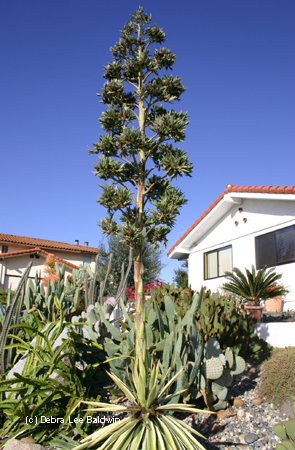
222, 359
202, 382
212, 348
238, 366
212, 368
290, 428
220, 405
225, 379
222, 394
229, 357
280, 431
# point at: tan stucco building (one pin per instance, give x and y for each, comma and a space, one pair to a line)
17, 251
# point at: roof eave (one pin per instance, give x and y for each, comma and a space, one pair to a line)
205, 225
221, 208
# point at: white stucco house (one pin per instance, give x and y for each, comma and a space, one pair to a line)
245, 225
17, 251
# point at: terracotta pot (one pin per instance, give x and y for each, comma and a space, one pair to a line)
274, 304
256, 311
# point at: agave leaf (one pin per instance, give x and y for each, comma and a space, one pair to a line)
100, 406
123, 387
168, 397
154, 375
167, 434
138, 433
117, 440
152, 395
184, 408
151, 436
184, 425
167, 386
182, 434
163, 445
102, 433
141, 391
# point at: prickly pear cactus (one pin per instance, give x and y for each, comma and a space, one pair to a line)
220, 367
286, 433
212, 368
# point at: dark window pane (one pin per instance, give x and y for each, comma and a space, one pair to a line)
265, 250
285, 242
86, 259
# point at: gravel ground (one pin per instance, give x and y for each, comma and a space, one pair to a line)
249, 427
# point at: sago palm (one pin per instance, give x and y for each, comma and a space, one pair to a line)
254, 286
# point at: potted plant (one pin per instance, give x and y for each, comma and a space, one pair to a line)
273, 304
254, 287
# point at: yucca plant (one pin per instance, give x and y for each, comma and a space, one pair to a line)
151, 426
254, 287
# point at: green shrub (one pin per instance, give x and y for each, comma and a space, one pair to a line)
217, 317
278, 375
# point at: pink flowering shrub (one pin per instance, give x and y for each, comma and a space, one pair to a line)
147, 289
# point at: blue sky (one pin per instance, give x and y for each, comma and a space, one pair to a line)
235, 57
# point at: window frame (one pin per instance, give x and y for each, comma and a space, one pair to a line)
205, 261
89, 259
273, 235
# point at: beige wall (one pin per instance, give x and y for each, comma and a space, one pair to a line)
11, 269
14, 268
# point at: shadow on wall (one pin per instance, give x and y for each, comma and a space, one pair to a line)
277, 334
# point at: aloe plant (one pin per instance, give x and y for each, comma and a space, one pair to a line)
50, 384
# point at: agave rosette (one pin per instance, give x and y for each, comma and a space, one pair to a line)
150, 424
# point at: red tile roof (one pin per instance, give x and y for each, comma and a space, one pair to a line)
44, 243
231, 188
36, 250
